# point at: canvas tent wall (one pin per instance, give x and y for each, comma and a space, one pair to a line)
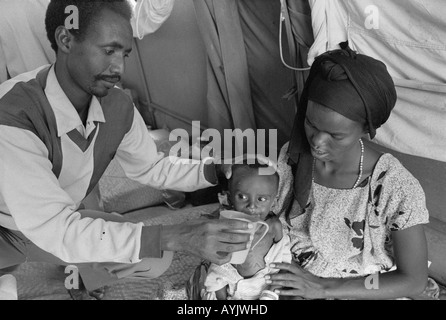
174, 62
218, 61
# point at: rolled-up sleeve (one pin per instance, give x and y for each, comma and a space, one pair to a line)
140, 160
46, 214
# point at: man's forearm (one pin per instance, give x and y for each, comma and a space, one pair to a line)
156, 239
151, 242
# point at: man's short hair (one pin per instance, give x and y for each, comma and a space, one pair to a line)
89, 11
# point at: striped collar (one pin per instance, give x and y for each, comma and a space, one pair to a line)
66, 115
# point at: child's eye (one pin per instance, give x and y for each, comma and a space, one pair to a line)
262, 199
109, 52
241, 196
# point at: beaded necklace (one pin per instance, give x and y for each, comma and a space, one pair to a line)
361, 163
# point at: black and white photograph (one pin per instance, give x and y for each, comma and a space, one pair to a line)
239, 151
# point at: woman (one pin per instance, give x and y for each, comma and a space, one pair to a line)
355, 215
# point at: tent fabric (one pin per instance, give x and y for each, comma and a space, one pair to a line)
229, 93
269, 79
417, 124
24, 45
300, 38
328, 21
410, 38
149, 15
246, 79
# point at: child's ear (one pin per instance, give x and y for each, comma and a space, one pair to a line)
228, 197
223, 198
275, 205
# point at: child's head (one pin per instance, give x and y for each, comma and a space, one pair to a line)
251, 192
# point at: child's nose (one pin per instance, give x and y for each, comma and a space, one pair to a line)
251, 204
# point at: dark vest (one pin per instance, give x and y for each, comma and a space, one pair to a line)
26, 107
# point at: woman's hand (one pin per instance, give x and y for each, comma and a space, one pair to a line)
296, 282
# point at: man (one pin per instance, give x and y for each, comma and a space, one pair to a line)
60, 126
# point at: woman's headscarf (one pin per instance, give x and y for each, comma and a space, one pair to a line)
357, 86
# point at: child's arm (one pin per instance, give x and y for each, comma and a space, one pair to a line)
268, 293
222, 293
278, 234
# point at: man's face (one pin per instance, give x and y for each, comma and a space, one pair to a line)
96, 64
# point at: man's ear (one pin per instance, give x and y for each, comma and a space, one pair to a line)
64, 39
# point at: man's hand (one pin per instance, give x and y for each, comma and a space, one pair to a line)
213, 240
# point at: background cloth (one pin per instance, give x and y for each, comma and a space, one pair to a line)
24, 45
410, 38
149, 15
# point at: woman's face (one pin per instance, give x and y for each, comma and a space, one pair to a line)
329, 133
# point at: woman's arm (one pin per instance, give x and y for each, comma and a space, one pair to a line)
222, 293
410, 278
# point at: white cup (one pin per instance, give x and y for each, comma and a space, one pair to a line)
239, 257
8, 287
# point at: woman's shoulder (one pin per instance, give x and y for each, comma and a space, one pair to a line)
390, 168
397, 194
392, 178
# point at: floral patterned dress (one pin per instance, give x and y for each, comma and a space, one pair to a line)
348, 232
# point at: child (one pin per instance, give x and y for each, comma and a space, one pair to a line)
253, 194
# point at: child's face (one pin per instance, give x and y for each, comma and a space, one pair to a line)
254, 194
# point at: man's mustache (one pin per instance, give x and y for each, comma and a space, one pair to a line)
112, 79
